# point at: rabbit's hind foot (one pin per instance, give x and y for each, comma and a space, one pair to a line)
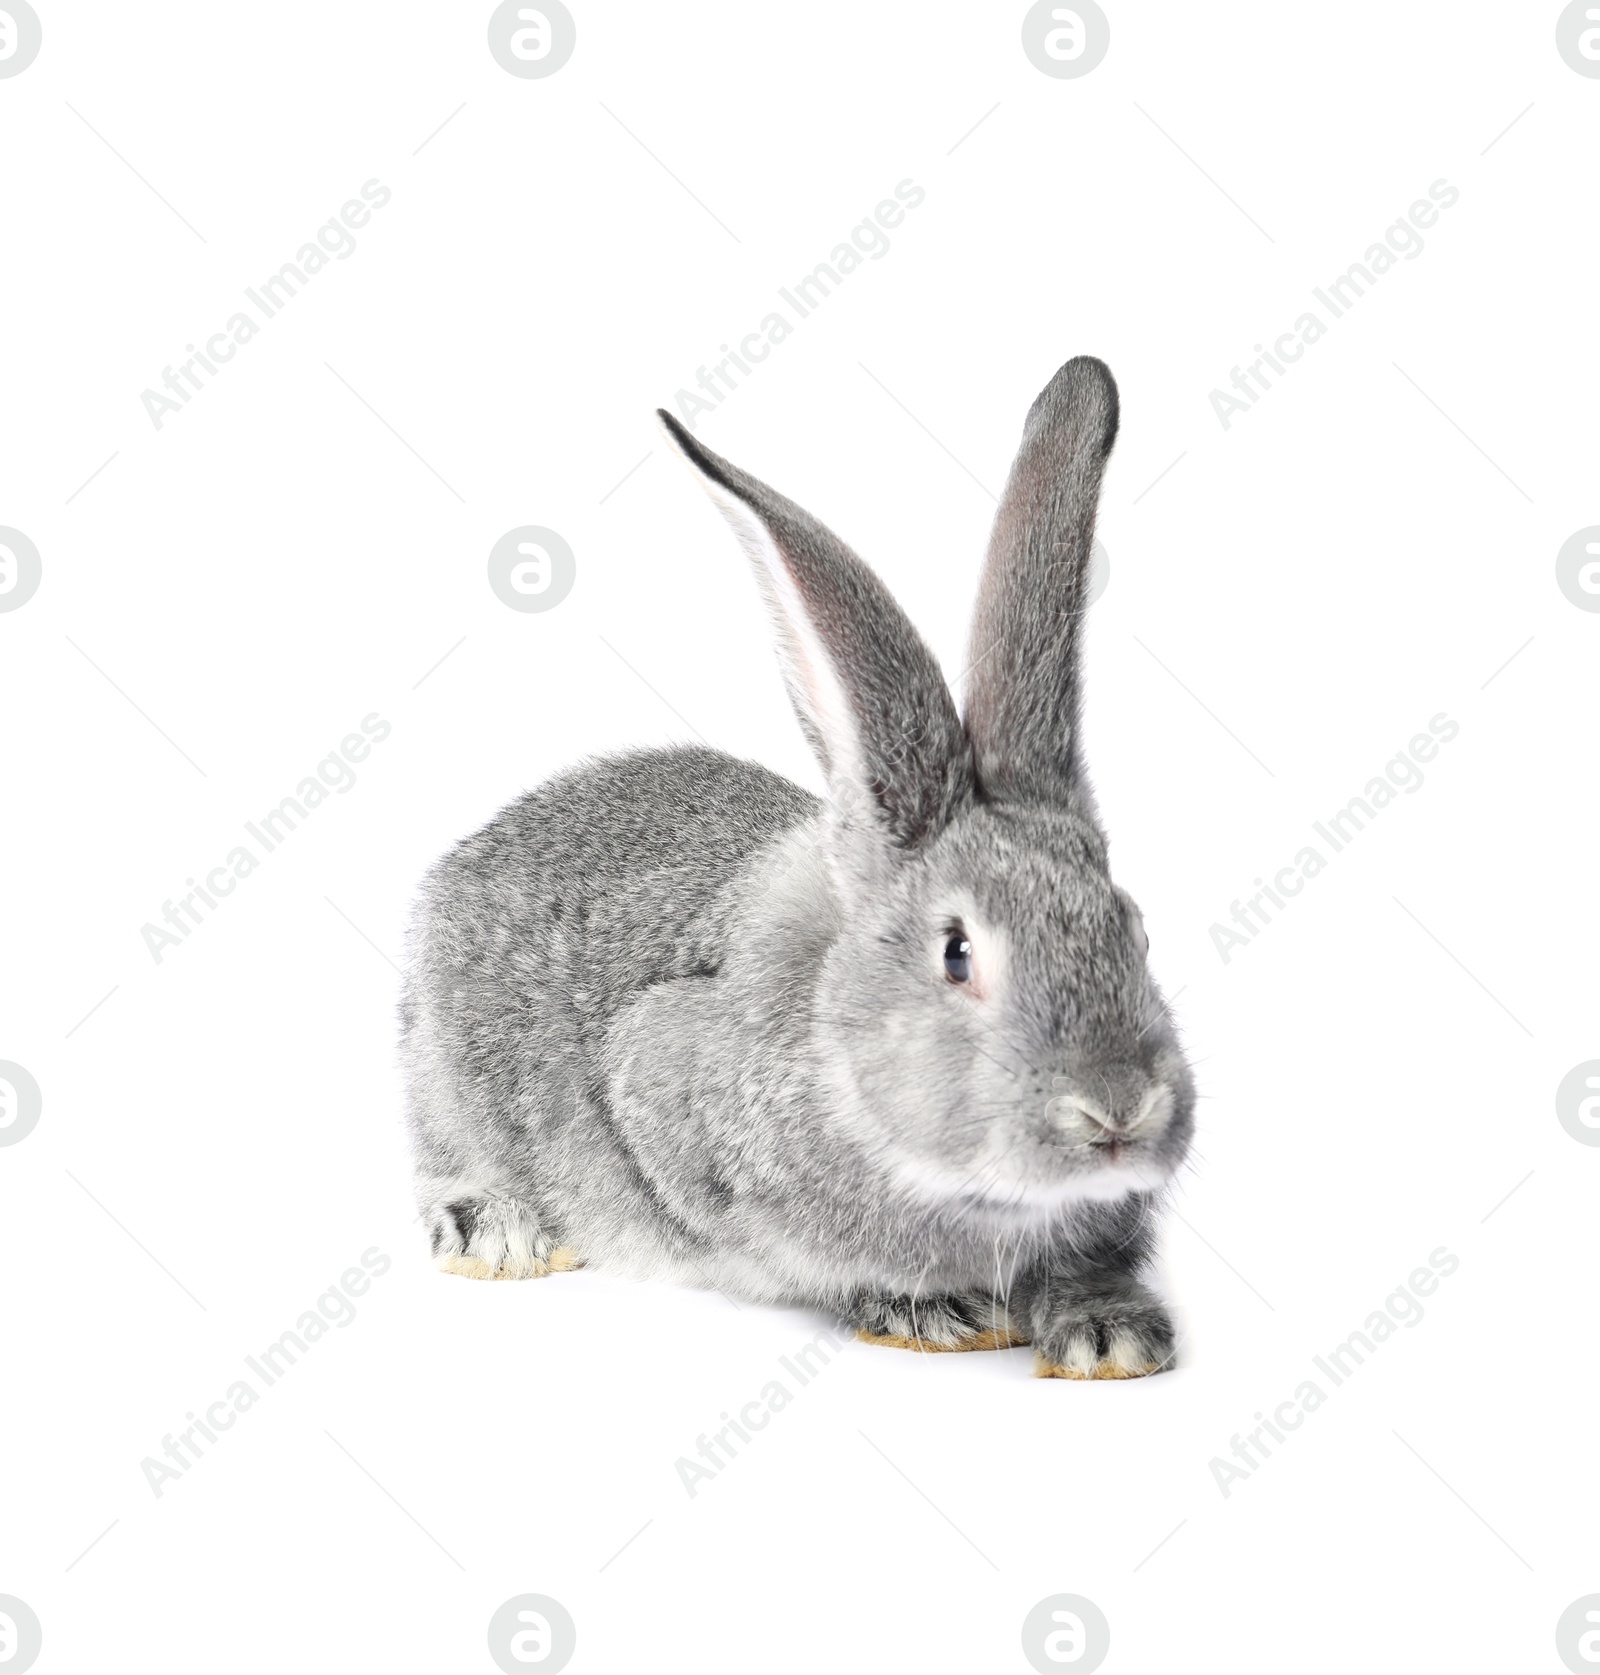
490, 1238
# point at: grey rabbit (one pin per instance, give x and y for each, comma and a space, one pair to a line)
895, 1054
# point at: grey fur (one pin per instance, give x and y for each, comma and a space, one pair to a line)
675, 1013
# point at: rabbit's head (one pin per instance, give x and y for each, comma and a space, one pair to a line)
995, 1035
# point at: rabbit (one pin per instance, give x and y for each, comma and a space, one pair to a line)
896, 1053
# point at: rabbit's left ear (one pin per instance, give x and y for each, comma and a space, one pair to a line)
1023, 700
868, 692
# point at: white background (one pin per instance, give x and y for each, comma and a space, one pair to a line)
1340, 565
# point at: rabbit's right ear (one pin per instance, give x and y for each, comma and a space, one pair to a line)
1023, 693
868, 692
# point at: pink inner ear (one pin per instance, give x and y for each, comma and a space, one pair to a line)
808, 669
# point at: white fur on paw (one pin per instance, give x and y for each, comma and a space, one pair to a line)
1126, 1356
505, 1244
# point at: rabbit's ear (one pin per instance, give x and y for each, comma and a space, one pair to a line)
868, 692
1023, 687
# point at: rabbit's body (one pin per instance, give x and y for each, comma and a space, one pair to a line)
896, 1053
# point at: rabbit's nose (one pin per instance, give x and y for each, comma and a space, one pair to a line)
1071, 1107
1121, 1107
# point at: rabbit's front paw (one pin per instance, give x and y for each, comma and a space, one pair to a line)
1127, 1334
494, 1239
934, 1324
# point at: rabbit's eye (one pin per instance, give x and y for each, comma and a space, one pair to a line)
958, 958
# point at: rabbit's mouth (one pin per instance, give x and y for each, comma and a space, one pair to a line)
1109, 1169
1133, 1154
1019, 1183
